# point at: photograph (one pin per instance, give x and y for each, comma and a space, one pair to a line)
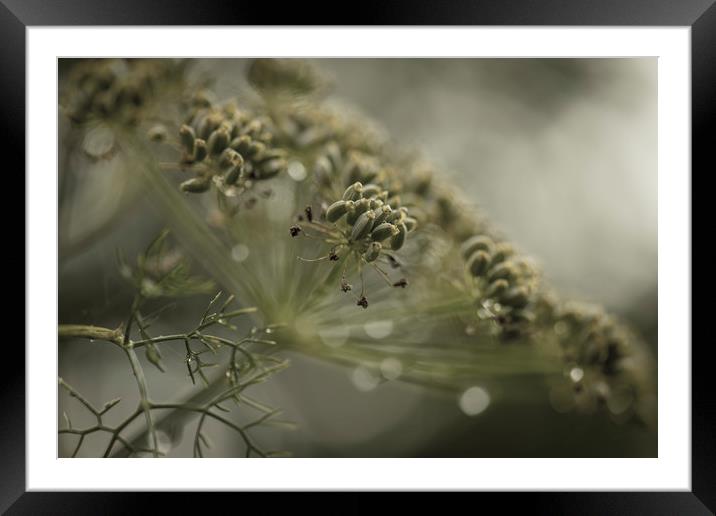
357, 257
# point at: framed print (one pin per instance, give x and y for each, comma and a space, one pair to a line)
446, 251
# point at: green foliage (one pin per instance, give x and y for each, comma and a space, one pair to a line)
245, 361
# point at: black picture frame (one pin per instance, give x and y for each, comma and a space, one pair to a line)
17, 15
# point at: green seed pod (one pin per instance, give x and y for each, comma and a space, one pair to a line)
333, 153
375, 204
353, 192
352, 170
336, 210
228, 157
396, 216
187, 137
217, 142
410, 223
256, 150
253, 128
478, 262
371, 190
241, 144
504, 270
200, 151
368, 171
235, 170
202, 98
373, 252
323, 167
503, 250
362, 226
196, 185
516, 297
522, 316
361, 207
398, 239
233, 173
476, 243
383, 231
381, 214
497, 288
265, 137
394, 200
207, 125
272, 168
272, 154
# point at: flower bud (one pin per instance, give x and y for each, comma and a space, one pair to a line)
477, 264
479, 242
336, 210
373, 252
383, 231
399, 238
362, 226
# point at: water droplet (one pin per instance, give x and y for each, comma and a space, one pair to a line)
297, 171
240, 252
379, 329
365, 379
474, 401
576, 374
391, 368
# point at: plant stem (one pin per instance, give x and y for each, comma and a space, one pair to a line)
82, 331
